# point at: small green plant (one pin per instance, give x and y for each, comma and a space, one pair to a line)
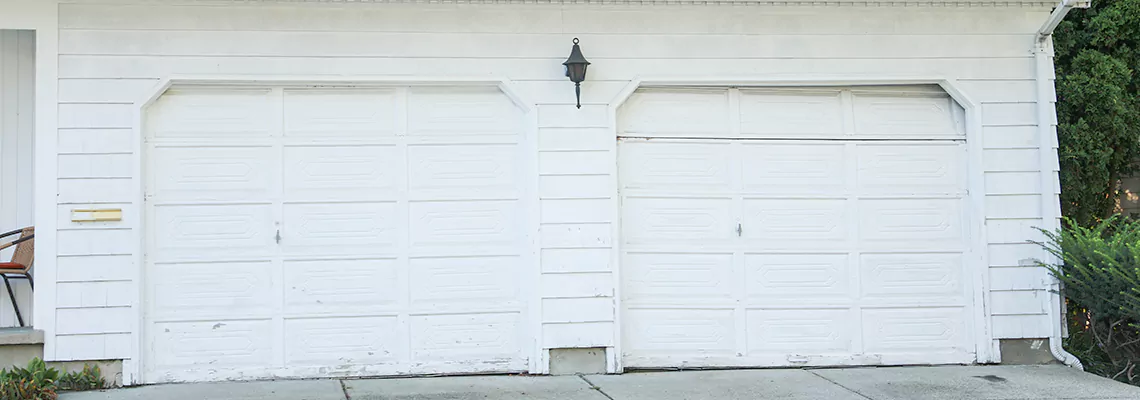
90, 378
36, 382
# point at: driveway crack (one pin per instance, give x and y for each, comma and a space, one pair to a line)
344, 389
595, 387
838, 384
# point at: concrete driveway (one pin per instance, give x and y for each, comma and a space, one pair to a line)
894, 383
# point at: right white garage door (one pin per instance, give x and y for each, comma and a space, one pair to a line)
783, 227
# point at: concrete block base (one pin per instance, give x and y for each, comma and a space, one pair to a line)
578, 361
1026, 352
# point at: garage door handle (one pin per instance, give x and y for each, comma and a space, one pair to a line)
739, 229
278, 237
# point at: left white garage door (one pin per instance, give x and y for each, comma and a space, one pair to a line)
305, 232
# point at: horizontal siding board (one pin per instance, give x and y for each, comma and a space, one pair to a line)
576, 211
1021, 326
563, 139
1014, 231
1019, 278
1019, 160
576, 260
95, 242
538, 45
95, 165
94, 294
557, 116
1012, 255
594, 92
449, 18
111, 67
96, 141
576, 162
1021, 302
86, 321
575, 236
92, 347
1003, 183
590, 309
95, 268
1003, 91
1007, 114
1010, 137
104, 90
96, 116
575, 186
1013, 206
576, 335
577, 285
84, 191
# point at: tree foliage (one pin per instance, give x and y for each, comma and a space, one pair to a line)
1098, 105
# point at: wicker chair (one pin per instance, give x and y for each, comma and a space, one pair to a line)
21, 265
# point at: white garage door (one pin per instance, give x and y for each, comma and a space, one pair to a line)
793, 227
303, 232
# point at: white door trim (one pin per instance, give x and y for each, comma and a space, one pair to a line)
976, 256
132, 368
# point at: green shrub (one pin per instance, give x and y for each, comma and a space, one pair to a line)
90, 378
36, 382
1100, 271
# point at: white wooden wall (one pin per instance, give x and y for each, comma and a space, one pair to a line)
17, 82
111, 54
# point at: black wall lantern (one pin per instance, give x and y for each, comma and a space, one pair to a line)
576, 70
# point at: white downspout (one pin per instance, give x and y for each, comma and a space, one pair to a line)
1050, 207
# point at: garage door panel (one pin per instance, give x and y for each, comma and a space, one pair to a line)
795, 279
211, 174
467, 282
912, 278
217, 115
692, 221
213, 344
676, 113
342, 172
911, 169
808, 169
342, 287
680, 332
675, 166
212, 290
804, 332
463, 171
910, 330
336, 341
457, 338
340, 228
325, 114
795, 223
905, 115
452, 224
678, 278
455, 111
212, 232
786, 113
911, 224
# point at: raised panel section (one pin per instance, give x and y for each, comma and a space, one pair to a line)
329, 341
212, 232
928, 330
221, 115
905, 116
651, 221
794, 223
790, 114
326, 287
680, 332
467, 171
455, 223
211, 290
340, 228
925, 276
464, 282
676, 113
211, 173
911, 169
342, 172
213, 344
813, 169
341, 113
796, 278
801, 332
483, 337
675, 166
461, 111
911, 224
677, 278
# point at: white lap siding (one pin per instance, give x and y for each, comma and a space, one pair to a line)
17, 79
111, 54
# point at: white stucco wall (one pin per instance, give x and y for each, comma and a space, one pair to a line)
17, 122
111, 55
